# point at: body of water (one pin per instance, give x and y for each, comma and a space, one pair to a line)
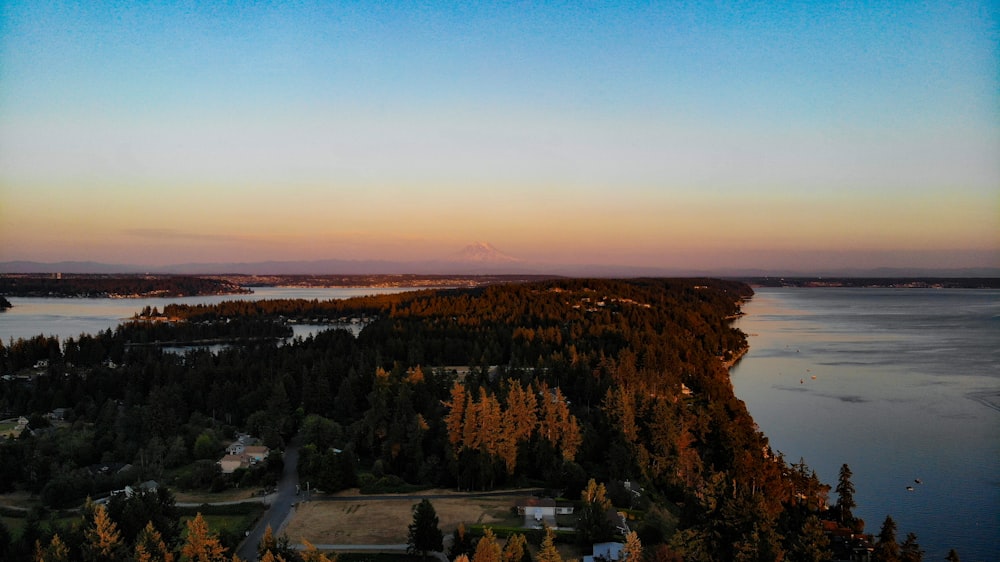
66, 318
901, 385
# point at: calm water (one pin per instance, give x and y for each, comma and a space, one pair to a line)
907, 386
71, 317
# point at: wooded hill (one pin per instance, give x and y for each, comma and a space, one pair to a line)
548, 383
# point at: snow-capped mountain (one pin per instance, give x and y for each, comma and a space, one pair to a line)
483, 252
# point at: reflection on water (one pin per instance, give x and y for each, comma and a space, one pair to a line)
898, 384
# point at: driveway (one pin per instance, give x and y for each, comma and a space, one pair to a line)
282, 501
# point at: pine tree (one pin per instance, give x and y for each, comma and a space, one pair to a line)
593, 524
548, 552
104, 541
845, 495
6, 540
56, 551
886, 548
149, 546
424, 535
810, 544
455, 419
487, 550
310, 554
516, 549
910, 551
461, 542
201, 545
632, 552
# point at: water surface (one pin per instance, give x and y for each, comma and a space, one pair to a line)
900, 384
71, 317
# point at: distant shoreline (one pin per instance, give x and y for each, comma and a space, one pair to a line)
876, 282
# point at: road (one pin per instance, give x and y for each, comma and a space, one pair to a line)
281, 503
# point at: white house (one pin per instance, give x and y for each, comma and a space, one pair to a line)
605, 552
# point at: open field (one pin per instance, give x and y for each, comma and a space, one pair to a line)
386, 521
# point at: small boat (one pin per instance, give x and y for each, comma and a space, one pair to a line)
909, 488
917, 480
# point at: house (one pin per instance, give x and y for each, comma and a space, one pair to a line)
230, 463
58, 414
239, 456
538, 511
605, 552
147, 485
257, 453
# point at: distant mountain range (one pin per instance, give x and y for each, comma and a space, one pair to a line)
479, 258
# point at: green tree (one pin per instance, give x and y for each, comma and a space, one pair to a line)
424, 534
910, 551
132, 512
150, 547
56, 551
461, 543
593, 524
886, 547
516, 549
6, 541
811, 544
279, 547
845, 495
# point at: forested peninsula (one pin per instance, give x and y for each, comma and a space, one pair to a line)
114, 286
546, 384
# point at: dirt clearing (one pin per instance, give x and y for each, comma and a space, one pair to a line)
380, 521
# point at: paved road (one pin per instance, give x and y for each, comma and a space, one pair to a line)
439, 556
281, 503
418, 496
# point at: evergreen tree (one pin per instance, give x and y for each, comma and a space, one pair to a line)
424, 535
487, 549
516, 549
104, 541
6, 541
150, 547
279, 547
56, 551
910, 551
632, 552
845, 495
311, 554
810, 544
201, 545
461, 542
886, 548
593, 524
547, 552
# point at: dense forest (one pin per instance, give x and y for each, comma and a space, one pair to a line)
551, 384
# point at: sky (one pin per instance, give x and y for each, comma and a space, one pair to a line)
662, 134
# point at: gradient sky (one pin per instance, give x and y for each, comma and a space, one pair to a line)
673, 134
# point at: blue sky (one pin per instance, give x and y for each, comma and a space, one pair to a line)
633, 133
